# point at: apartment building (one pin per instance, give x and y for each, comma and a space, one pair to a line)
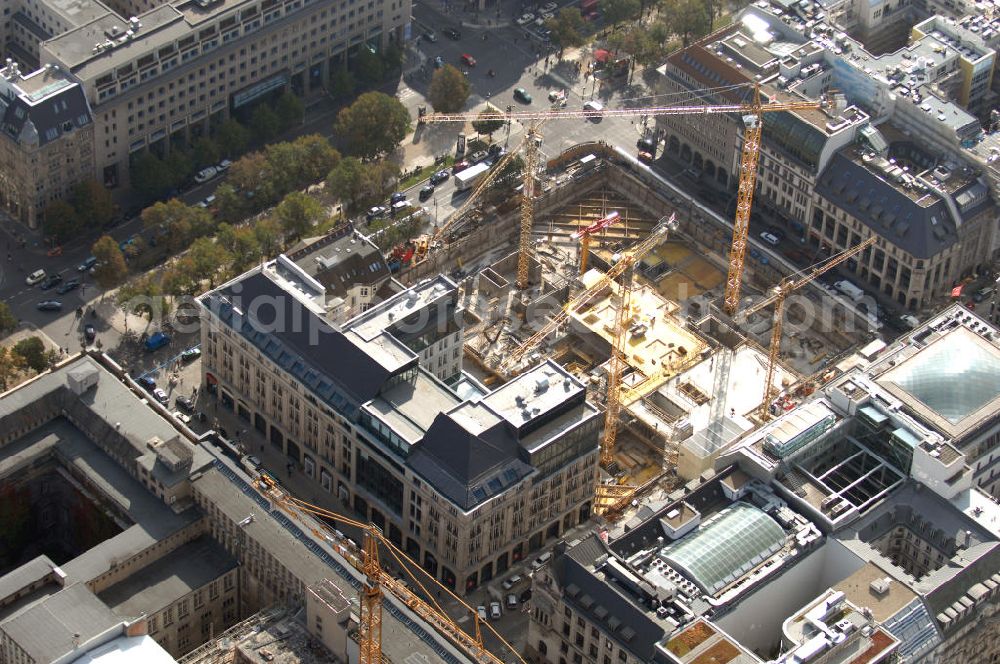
150, 72
379, 414
156, 542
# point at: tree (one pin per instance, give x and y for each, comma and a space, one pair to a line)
689, 19
368, 66
7, 319
179, 279
241, 242
509, 175
10, 364
567, 28
264, 123
143, 296
150, 177
93, 203
60, 221
231, 205
449, 90
206, 151
360, 184
208, 258
253, 178
289, 109
180, 166
392, 56
232, 137
32, 352
268, 236
111, 269
616, 11
373, 125
297, 214
342, 83
316, 157
484, 125
175, 218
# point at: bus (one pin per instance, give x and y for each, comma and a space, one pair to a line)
471, 176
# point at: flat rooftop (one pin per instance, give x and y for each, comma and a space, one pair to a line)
410, 408
947, 373
534, 394
168, 579
858, 590
703, 643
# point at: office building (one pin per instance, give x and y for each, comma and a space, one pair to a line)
378, 412
151, 73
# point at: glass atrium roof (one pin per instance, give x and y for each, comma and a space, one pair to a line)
726, 546
954, 377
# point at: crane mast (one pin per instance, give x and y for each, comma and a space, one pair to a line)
616, 367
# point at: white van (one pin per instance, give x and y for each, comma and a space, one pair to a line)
35, 277
850, 290
593, 109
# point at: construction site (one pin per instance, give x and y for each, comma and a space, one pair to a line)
613, 273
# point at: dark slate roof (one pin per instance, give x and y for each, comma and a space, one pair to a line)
342, 259
602, 603
920, 231
306, 345
57, 108
468, 468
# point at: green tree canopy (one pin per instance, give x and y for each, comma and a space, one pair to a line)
264, 123
182, 222
110, 269
484, 125
60, 221
297, 214
253, 177
242, 244
150, 176
93, 202
143, 296
180, 166
449, 90
10, 364
342, 83
373, 125
368, 66
567, 28
232, 138
8, 321
359, 185
616, 11
32, 352
205, 151
689, 19
289, 109
208, 259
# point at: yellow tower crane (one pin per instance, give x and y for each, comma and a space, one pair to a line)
753, 119
787, 286
377, 580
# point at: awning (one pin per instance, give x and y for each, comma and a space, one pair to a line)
602, 55
210, 379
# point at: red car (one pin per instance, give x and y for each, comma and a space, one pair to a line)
468, 60
459, 167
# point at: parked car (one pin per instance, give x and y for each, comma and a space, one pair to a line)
397, 197
525, 19
431, 37
523, 95
68, 286
544, 16
511, 582
468, 60
459, 167
481, 611
426, 192
207, 203
182, 417
452, 33
477, 157
147, 383
51, 281
439, 177
770, 238
646, 144
89, 333
206, 174
541, 560
35, 277
438, 62
557, 95
496, 150
376, 212
184, 403
223, 166
49, 305
495, 612
156, 341
191, 354
160, 395
645, 156
511, 602
87, 264
548, 7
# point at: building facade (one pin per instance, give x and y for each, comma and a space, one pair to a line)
370, 410
152, 73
